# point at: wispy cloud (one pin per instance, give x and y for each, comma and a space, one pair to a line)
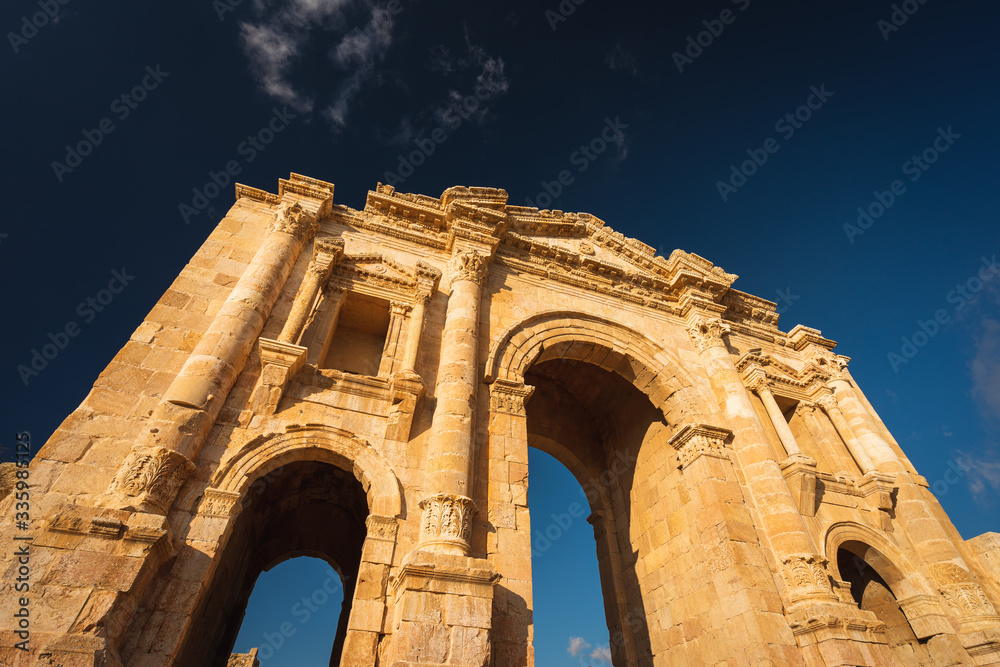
577, 645
489, 76
985, 367
601, 654
276, 40
620, 60
983, 465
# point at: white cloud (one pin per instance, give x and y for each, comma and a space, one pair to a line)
360, 50
271, 51
985, 367
602, 654
577, 645
275, 42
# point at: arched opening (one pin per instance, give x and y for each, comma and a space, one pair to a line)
302, 508
872, 578
290, 612
595, 422
564, 568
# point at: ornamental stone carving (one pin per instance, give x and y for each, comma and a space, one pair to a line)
293, 219
219, 503
153, 475
447, 518
469, 265
693, 441
806, 575
967, 599
708, 332
509, 397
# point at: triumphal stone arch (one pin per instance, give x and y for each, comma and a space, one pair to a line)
364, 385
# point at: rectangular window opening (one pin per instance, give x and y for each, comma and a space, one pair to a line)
359, 338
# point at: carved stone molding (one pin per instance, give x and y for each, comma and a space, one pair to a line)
295, 220
696, 440
216, 502
328, 245
509, 397
399, 308
806, 576
828, 402
756, 380
381, 527
967, 599
447, 518
153, 475
469, 265
707, 332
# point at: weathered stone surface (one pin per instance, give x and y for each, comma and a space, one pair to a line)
365, 385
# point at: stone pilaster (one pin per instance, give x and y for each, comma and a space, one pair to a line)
182, 419
778, 512
413, 333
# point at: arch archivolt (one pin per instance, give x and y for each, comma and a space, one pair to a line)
655, 371
324, 444
880, 554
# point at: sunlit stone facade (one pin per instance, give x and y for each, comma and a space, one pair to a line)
363, 386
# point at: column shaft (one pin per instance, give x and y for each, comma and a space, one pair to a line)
318, 271
447, 509
865, 429
829, 404
778, 420
413, 334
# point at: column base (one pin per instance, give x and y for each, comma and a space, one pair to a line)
443, 611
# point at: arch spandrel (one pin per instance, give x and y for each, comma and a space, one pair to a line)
319, 443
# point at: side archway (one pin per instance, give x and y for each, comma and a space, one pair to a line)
263, 505
879, 554
324, 444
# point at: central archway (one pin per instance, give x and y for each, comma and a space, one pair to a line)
605, 402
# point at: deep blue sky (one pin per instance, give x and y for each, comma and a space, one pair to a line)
361, 103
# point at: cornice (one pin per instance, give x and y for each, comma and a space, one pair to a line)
575, 249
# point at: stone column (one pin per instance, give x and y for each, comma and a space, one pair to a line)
397, 316
759, 384
804, 569
414, 332
829, 405
840, 461
326, 253
864, 429
447, 509
162, 458
281, 359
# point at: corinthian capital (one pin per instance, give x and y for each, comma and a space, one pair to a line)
468, 265
707, 332
828, 402
447, 518
295, 220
